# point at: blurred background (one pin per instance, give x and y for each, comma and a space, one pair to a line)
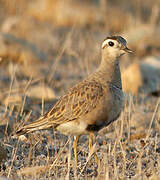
46, 46
46, 38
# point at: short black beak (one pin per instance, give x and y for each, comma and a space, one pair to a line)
128, 50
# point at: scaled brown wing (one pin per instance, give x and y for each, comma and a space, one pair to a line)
80, 100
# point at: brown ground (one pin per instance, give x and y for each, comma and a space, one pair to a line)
48, 46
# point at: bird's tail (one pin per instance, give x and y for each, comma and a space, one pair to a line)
41, 123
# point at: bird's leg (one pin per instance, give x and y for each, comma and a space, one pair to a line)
91, 138
76, 138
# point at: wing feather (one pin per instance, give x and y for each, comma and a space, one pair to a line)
80, 100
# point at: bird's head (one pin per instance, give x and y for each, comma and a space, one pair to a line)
114, 47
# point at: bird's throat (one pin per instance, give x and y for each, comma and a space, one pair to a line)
109, 71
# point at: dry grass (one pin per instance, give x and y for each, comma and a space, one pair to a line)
37, 53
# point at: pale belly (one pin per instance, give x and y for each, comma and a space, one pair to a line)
73, 128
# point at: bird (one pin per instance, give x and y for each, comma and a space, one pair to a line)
91, 104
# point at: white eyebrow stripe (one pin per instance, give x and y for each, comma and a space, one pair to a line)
104, 43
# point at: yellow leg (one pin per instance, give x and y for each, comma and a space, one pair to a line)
76, 138
91, 139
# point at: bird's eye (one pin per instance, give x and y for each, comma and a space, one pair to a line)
111, 43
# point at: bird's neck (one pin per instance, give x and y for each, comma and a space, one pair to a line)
109, 71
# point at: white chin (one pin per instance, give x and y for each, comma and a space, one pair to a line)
122, 53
